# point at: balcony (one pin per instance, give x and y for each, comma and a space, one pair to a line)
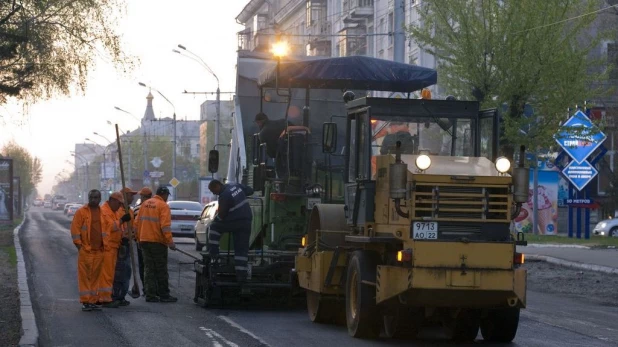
357, 11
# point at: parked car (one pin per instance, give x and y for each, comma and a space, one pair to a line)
202, 225
47, 204
67, 206
184, 215
37, 202
72, 209
607, 227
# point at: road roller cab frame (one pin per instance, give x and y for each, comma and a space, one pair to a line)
424, 234
305, 91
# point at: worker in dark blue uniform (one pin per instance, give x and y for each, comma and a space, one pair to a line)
234, 216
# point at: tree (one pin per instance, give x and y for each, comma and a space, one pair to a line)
28, 169
513, 53
46, 47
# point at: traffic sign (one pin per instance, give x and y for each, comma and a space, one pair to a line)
579, 174
156, 162
146, 173
174, 182
580, 137
156, 174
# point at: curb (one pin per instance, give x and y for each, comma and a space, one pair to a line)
30, 331
573, 264
553, 245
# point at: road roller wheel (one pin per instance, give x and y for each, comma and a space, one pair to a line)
362, 315
500, 325
464, 327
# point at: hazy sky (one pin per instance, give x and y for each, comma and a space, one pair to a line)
151, 29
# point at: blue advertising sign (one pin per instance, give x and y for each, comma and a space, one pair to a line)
580, 138
579, 174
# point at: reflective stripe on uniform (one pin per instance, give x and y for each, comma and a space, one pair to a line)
213, 242
106, 290
148, 218
87, 292
84, 228
164, 229
239, 206
104, 234
75, 237
215, 233
240, 268
237, 257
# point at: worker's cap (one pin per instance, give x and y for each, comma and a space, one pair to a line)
163, 190
128, 190
117, 196
261, 117
145, 191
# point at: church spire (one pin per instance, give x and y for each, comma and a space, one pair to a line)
149, 113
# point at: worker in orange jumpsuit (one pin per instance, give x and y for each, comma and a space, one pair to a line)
145, 194
89, 238
122, 276
155, 237
111, 225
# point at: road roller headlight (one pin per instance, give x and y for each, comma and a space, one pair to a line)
503, 165
423, 162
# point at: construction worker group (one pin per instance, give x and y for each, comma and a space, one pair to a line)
102, 235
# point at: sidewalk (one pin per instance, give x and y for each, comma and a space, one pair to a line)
602, 258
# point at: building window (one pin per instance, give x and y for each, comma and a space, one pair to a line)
391, 28
370, 41
612, 59
316, 11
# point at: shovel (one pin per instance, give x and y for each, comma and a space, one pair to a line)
135, 290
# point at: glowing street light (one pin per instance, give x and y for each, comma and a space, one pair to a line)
280, 49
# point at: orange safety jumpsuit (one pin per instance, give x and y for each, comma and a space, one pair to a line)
155, 221
91, 252
111, 225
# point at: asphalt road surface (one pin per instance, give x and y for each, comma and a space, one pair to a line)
549, 320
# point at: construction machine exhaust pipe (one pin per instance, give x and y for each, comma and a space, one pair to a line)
521, 182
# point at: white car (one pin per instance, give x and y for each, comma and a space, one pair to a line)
607, 227
184, 215
47, 204
202, 225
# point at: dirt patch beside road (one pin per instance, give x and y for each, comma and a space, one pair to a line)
10, 319
594, 286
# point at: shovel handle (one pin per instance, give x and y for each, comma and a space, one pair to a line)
188, 254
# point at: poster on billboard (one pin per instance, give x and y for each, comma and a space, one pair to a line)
16, 196
206, 196
547, 199
6, 190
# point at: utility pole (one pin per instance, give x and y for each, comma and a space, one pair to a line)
145, 153
399, 48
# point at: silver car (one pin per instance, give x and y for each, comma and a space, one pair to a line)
201, 227
607, 227
184, 215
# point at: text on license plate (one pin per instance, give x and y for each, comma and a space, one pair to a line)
425, 230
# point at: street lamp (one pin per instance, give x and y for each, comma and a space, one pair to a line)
174, 123
144, 144
87, 177
198, 59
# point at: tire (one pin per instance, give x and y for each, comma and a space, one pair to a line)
362, 318
402, 323
323, 310
613, 232
500, 325
464, 327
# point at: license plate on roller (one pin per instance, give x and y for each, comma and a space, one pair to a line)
425, 230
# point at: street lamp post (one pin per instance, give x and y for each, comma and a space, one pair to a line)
203, 63
144, 143
112, 157
103, 176
130, 145
87, 177
174, 125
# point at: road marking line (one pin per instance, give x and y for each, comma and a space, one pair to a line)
243, 330
213, 335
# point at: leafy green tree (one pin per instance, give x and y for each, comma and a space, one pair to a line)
27, 168
513, 53
46, 47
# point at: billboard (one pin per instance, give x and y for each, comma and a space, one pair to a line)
6, 190
206, 196
547, 199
